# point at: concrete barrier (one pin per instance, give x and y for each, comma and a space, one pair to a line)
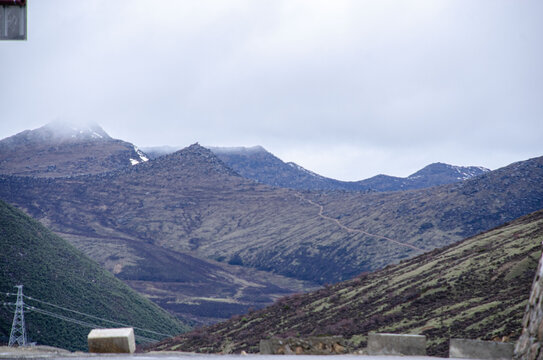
112, 341
317, 345
396, 344
479, 349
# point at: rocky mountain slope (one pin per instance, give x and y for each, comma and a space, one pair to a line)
260, 165
477, 288
190, 201
54, 272
59, 150
192, 287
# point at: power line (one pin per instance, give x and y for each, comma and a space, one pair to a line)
78, 322
61, 317
96, 317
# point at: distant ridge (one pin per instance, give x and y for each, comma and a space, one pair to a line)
432, 175
260, 165
61, 149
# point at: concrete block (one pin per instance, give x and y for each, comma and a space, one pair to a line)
396, 344
112, 341
479, 349
316, 345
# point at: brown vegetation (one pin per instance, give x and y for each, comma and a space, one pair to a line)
474, 289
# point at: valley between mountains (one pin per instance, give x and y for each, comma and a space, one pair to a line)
202, 241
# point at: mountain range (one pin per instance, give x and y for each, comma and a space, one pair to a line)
476, 289
194, 288
188, 231
190, 201
260, 165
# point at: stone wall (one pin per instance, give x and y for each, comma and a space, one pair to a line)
479, 349
529, 345
396, 344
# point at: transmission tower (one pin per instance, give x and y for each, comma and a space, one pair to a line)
18, 331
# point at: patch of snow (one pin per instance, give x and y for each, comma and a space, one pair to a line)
134, 161
298, 167
140, 154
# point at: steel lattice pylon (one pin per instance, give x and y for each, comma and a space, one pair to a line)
18, 331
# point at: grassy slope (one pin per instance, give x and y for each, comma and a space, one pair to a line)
476, 289
54, 271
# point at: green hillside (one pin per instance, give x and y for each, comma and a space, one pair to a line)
477, 288
53, 271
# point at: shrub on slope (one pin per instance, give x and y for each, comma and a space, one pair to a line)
477, 288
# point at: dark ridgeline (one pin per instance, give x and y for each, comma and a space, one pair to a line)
260, 165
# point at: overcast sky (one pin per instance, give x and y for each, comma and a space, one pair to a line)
348, 89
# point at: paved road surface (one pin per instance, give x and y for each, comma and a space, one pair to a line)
51, 353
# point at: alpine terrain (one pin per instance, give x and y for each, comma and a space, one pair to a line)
197, 289
476, 289
189, 232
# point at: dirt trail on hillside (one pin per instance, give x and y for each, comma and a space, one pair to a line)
349, 229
